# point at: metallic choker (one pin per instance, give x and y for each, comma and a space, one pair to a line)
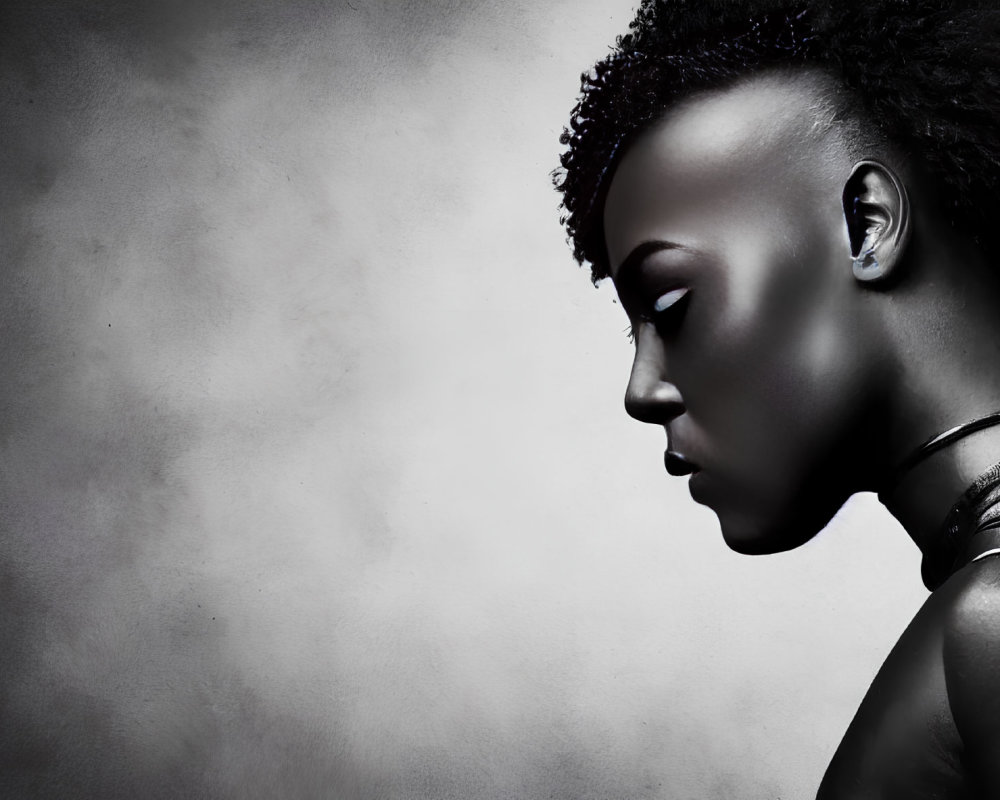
934, 444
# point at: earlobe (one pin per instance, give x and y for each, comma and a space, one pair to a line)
877, 212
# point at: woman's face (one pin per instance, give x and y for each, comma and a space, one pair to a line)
729, 251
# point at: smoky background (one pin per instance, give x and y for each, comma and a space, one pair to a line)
315, 477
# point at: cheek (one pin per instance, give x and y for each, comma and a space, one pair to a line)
770, 395
771, 431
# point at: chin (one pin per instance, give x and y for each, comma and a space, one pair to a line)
756, 536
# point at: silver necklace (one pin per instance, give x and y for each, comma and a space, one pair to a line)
934, 444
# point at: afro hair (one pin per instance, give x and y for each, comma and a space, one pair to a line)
925, 74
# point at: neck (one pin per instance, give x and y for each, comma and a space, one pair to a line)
923, 496
947, 363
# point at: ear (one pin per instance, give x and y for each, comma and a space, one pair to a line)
877, 211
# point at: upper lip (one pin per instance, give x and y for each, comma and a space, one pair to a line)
678, 464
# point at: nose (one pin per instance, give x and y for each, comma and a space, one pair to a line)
650, 397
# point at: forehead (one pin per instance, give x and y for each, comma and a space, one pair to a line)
770, 139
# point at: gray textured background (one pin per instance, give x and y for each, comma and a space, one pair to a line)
315, 478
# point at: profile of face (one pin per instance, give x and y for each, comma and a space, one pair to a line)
726, 238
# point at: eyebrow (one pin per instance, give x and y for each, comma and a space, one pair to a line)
640, 253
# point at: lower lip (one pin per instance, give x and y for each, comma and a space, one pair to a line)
677, 465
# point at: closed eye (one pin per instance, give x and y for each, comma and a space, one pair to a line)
668, 299
668, 310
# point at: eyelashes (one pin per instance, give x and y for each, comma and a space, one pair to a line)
667, 311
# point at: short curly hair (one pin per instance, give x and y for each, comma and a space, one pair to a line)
924, 74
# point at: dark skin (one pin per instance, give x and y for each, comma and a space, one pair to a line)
787, 376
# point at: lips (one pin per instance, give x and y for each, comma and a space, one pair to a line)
678, 465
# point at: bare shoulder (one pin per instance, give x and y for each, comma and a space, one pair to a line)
934, 705
905, 719
972, 624
971, 656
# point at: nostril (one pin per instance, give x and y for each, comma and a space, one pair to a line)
658, 403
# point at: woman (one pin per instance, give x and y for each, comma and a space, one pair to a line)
798, 207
